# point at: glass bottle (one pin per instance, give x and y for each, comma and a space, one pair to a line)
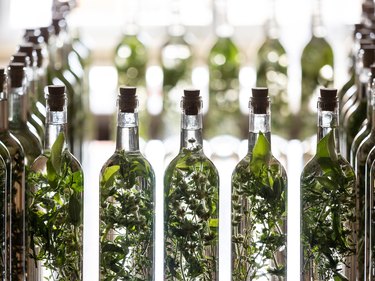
317, 70
127, 190
176, 61
327, 203
130, 58
35, 115
191, 203
366, 125
34, 123
16, 191
18, 109
363, 159
356, 114
55, 206
224, 115
6, 183
272, 72
259, 198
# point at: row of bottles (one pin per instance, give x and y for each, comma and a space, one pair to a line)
224, 61
42, 194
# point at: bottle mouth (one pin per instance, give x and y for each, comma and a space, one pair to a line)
56, 97
328, 99
259, 101
127, 99
191, 102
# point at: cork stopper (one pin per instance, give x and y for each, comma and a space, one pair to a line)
39, 55
2, 79
127, 99
21, 58
328, 99
16, 72
46, 32
191, 102
368, 55
56, 97
372, 68
27, 48
35, 39
260, 101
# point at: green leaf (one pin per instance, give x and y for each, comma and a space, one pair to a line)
261, 154
326, 147
214, 223
74, 210
56, 152
108, 173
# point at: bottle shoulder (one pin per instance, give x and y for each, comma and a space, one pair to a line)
12, 144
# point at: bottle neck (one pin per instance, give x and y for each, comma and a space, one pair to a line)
258, 123
317, 27
4, 114
56, 123
364, 80
328, 121
222, 26
369, 98
127, 132
191, 131
18, 107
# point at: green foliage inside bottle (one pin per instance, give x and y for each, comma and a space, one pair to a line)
328, 214
317, 72
224, 115
259, 216
191, 217
272, 72
56, 212
126, 218
3, 218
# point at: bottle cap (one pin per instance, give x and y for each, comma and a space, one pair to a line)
35, 39
328, 99
259, 100
2, 79
372, 67
39, 56
20, 57
16, 72
56, 97
127, 99
46, 31
191, 101
27, 48
368, 55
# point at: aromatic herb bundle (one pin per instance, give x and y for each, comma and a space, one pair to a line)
259, 216
191, 216
328, 215
126, 218
56, 213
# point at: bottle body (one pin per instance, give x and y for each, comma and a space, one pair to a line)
127, 218
259, 193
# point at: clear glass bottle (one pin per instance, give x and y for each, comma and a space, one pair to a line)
191, 203
356, 114
224, 116
16, 191
259, 198
363, 159
272, 72
6, 183
55, 205
328, 203
127, 191
18, 109
317, 71
176, 61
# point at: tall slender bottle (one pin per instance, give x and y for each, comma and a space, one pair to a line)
363, 159
356, 114
130, 58
56, 199
127, 190
191, 203
317, 70
176, 60
5, 185
259, 197
272, 72
224, 115
16, 191
328, 203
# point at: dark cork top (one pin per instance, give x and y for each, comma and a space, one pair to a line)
191, 102
20, 57
368, 55
259, 100
27, 48
16, 72
2, 79
127, 99
56, 97
328, 99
